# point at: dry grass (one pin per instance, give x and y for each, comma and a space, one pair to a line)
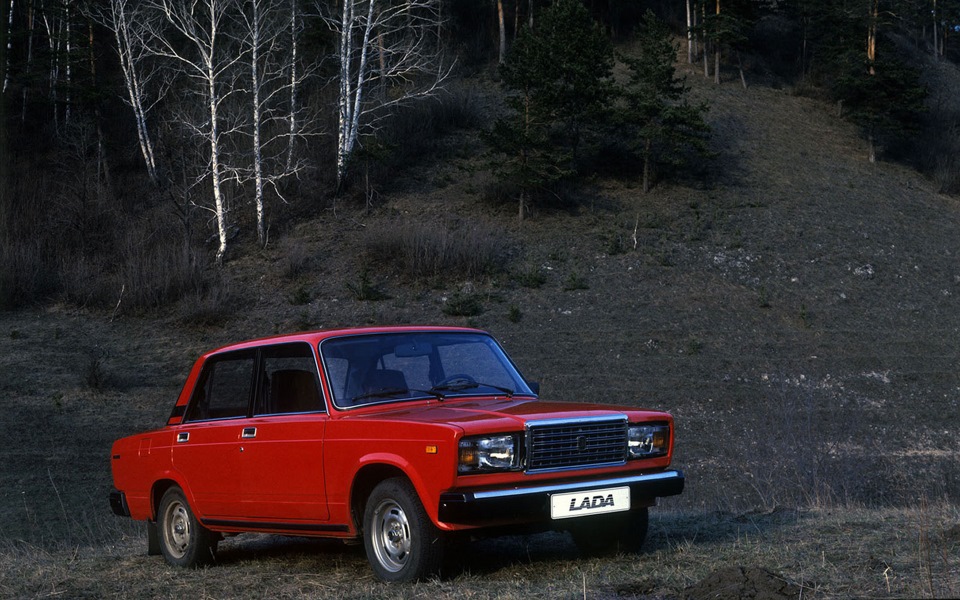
839, 553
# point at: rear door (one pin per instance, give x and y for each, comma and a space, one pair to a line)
207, 445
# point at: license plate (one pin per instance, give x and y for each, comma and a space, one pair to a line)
593, 502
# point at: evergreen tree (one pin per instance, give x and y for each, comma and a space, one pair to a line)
664, 126
884, 97
559, 83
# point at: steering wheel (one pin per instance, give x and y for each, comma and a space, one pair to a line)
457, 379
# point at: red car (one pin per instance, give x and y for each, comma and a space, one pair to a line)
401, 436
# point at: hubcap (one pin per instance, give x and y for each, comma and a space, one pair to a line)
391, 536
176, 529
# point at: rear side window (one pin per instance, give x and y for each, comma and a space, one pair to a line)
224, 388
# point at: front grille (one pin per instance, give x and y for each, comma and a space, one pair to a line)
569, 443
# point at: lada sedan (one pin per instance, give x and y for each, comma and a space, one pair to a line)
400, 436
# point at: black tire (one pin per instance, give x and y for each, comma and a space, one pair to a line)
402, 543
184, 542
605, 535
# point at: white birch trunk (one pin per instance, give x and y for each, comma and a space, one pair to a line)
30, 26
294, 34
344, 115
403, 34
689, 35
6, 59
120, 22
256, 117
215, 174
66, 15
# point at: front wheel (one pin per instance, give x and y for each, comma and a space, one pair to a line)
184, 542
401, 542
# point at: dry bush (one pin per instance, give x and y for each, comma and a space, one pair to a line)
420, 250
210, 306
156, 267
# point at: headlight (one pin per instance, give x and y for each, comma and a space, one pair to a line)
488, 453
646, 441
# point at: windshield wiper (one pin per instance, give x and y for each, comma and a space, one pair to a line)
389, 393
469, 385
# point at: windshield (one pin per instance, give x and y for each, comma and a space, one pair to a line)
392, 367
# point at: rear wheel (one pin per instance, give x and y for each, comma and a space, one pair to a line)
401, 542
603, 535
184, 542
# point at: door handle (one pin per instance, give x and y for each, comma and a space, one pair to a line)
249, 433
183, 436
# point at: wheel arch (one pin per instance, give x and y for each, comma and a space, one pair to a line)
367, 478
160, 488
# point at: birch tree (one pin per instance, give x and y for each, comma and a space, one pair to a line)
390, 46
273, 80
132, 27
203, 51
6, 43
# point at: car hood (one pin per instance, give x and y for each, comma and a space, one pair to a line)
491, 413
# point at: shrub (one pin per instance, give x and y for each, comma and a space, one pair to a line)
463, 305
364, 290
422, 251
533, 278
575, 282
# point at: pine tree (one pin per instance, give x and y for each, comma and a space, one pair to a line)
559, 81
664, 126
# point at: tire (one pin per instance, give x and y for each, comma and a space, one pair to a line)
184, 542
401, 542
605, 535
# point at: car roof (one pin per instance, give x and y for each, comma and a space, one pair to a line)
315, 337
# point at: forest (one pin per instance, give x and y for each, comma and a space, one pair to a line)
139, 138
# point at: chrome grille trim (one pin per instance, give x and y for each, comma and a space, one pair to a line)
561, 444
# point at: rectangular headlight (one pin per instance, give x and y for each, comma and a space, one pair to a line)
646, 441
488, 453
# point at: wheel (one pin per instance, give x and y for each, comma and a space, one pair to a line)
184, 542
402, 543
603, 535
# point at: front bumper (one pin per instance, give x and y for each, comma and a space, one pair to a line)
532, 504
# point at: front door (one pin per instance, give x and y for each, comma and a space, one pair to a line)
282, 445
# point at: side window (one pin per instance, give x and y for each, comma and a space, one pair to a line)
290, 383
224, 387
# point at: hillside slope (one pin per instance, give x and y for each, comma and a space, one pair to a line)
799, 315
